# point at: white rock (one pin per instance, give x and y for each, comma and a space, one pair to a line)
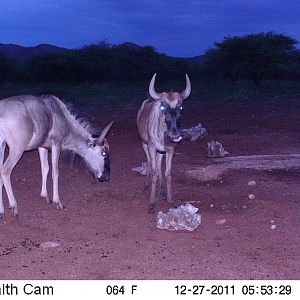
251, 196
251, 183
182, 218
49, 244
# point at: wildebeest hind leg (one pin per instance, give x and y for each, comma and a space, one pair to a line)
154, 177
169, 158
2, 150
11, 161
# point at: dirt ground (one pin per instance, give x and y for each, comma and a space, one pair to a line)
106, 233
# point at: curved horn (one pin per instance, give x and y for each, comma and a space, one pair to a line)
104, 133
152, 92
188, 88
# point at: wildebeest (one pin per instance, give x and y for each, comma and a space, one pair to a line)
158, 123
44, 122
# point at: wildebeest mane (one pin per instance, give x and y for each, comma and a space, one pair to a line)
76, 113
82, 118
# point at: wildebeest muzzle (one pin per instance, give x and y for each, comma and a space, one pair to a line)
173, 124
106, 170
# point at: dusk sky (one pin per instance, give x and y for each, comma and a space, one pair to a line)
178, 28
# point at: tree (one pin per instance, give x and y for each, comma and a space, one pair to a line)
253, 55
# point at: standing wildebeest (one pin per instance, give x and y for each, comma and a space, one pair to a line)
44, 122
158, 124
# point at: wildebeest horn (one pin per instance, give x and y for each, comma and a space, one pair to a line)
188, 88
104, 133
152, 92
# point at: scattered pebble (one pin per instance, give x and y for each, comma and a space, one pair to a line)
273, 226
220, 221
252, 183
212, 205
251, 196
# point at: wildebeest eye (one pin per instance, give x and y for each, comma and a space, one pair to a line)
162, 107
90, 143
104, 153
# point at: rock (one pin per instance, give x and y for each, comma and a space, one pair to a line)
216, 150
182, 218
194, 133
142, 169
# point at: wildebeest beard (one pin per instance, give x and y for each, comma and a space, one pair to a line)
73, 159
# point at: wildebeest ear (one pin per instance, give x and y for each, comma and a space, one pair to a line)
89, 143
149, 97
95, 135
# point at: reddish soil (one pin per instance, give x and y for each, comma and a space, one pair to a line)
106, 233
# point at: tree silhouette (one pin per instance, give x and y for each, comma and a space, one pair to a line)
252, 55
6, 68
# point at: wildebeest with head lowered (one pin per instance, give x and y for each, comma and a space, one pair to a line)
45, 122
158, 123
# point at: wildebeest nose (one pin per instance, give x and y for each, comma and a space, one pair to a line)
175, 138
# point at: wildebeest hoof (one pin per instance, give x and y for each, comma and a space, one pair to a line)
163, 194
146, 188
14, 212
151, 209
60, 206
47, 200
2, 216
170, 201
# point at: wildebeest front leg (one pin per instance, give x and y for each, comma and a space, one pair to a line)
45, 170
2, 150
154, 175
55, 151
169, 158
145, 147
159, 157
